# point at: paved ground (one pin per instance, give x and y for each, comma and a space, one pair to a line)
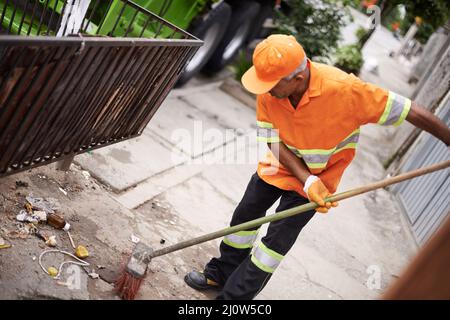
165, 187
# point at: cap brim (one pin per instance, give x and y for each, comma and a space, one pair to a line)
254, 84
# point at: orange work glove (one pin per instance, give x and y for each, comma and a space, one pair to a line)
317, 192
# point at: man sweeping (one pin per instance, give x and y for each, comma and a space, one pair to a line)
310, 115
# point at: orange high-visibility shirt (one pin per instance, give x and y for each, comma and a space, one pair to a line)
324, 128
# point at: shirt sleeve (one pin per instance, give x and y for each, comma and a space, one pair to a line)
372, 104
265, 129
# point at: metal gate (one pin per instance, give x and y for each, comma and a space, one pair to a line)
70, 85
426, 200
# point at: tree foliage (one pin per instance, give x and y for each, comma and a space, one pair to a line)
315, 24
434, 12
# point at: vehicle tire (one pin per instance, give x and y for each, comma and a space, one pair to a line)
235, 38
257, 30
211, 29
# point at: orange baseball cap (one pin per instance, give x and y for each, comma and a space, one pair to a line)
274, 58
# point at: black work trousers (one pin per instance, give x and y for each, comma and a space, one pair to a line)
244, 274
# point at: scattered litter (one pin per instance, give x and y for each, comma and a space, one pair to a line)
78, 262
86, 174
31, 228
51, 242
42, 236
93, 275
34, 258
62, 283
48, 205
23, 232
135, 239
101, 267
28, 207
57, 222
162, 241
41, 215
24, 216
20, 183
3, 244
172, 222
81, 252
71, 240
52, 271
63, 191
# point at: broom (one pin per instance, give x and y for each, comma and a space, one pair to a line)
134, 272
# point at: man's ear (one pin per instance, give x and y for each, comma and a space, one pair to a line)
299, 76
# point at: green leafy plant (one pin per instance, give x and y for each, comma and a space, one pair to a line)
349, 58
361, 33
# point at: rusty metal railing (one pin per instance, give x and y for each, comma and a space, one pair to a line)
65, 95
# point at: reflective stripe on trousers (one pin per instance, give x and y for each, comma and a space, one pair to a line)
266, 259
241, 239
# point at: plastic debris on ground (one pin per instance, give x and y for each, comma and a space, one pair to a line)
72, 243
81, 252
135, 239
3, 244
36, 210
52, 271
49, 205
57, 221
34, 217
51, 242
86, 174
63, 191
41, 215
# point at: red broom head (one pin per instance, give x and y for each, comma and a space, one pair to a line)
133, 272
127, 285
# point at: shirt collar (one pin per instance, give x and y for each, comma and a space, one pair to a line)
315, 80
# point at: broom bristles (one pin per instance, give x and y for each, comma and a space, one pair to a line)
127, 286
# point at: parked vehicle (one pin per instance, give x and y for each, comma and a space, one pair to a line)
225, 26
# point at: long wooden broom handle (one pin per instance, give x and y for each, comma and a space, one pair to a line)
300, 209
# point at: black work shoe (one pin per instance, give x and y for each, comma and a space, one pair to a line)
198, 281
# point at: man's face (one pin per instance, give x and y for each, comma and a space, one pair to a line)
285, 88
